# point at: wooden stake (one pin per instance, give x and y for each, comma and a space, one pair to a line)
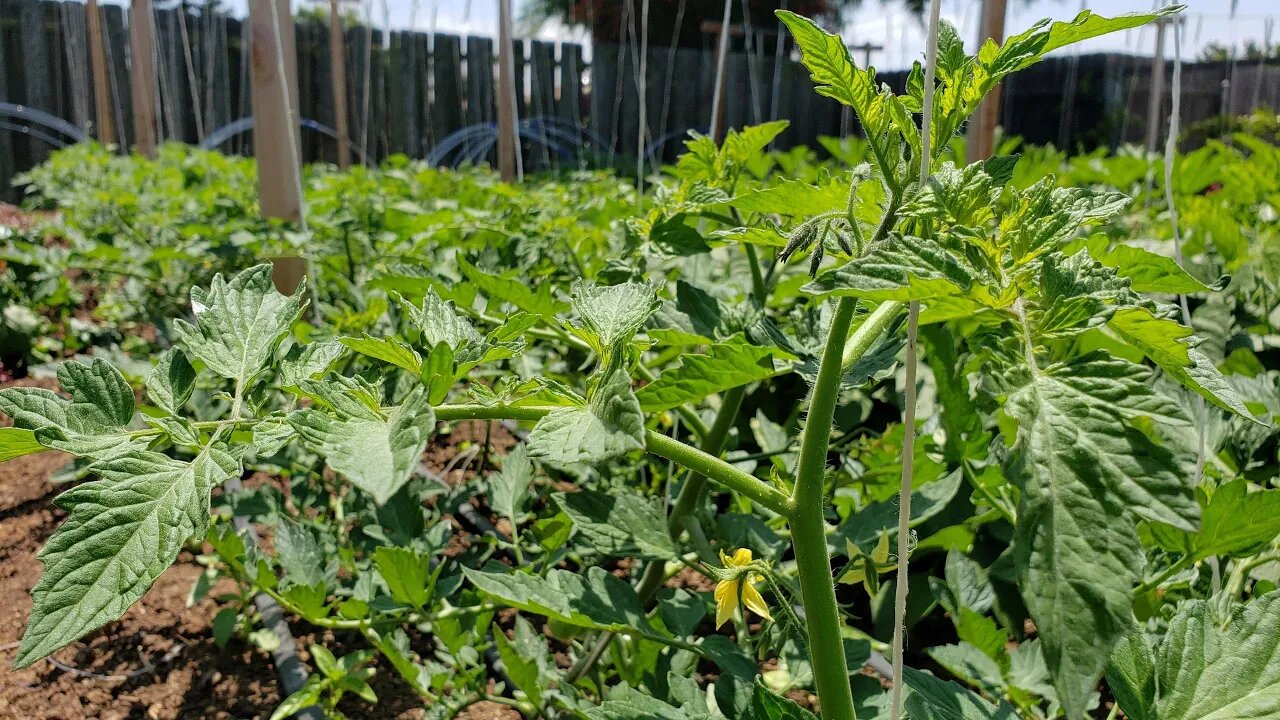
338, 71
981, 138
273, 76
143, 70
1156, 87
98, 63
506, 95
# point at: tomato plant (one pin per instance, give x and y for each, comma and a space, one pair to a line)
706, 431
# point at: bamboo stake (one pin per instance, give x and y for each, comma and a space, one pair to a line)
98, 63
506, 95
274, 88
981, 139
338, 73
143, 69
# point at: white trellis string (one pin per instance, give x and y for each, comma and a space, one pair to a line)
909, 400
1170, 155
722, 55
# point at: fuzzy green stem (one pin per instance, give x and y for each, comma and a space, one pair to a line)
758, 291
1182, 564
809, 529
876, 324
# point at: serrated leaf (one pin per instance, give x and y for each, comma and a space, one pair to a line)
522, 657
1131, 676
794, 197
930, 698
1208, 673
16, 442
91, 424
596, 600
239, 324
121, 533
1234, 522
725, 365
514, 290
1088, 25
171, 381
672, 237
612, 314
1079, 467
899, 268
439, 322
627, 703
406, 573
306, 363
377, 454
834, 73
1162, 341
619, 523
611, 424
387, 349
509, 487
302, 556
1146, 271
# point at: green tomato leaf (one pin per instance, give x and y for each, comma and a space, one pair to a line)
613, 314
1206, 672
386, 349
1081, 469
376, 453
1146, 271
16, 442
171, 381
930, 698
406, 572
121, 532
899, 268
1235, 522
768, 705
239, 324
834, 74
91, 424
1131, 675
515, 290
619, 523
726, 365
611, 424
1163, 341
509, 488
596, 600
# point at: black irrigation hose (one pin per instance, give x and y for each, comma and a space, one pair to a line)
289, 667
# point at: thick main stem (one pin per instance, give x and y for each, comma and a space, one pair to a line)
809, 529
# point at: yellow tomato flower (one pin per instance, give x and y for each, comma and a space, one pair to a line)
740, 588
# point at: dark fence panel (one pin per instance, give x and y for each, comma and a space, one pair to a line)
409, 91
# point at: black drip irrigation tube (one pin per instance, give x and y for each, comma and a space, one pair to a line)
289, 668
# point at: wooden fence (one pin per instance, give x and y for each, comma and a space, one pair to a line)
409, 90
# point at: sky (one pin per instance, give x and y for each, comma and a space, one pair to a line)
886, 23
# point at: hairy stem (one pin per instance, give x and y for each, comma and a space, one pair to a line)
876, 324
809, 529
